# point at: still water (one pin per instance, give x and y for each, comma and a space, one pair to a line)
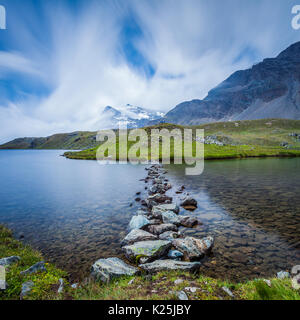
75, 212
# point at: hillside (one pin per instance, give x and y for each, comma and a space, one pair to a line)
270, 89
253, 138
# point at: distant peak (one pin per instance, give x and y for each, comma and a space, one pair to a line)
292, 51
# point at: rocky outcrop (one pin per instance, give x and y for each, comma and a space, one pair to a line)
149, 250
137, 235
169, 265
193, 248
4, 262
105, 270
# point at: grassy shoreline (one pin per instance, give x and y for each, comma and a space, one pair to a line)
161, 286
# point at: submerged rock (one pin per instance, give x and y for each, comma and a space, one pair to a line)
137, 222
148, 250
38, 267
194, 248
106, 269
4, 262
26, 289
160, 198
137, 235
158, 229
168, 265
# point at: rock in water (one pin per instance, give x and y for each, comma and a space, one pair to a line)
26, 289
148, 250
158, 229
38, 267
138, 222
137, 235
106, 269
170, 217
194, 248
4, 262
165, 207
189, 204
189, 222
169, 235
169, 265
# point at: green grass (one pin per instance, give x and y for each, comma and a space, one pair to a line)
45, 283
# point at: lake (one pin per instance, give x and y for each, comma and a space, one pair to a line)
76, 212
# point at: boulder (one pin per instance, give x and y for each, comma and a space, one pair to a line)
175, 254
38, 267
137, 222
106, 269
189, 203
193, 248
160, 228
137, 235
169, 265
189, 222
165, 207
4, 262
160, 198
169, 235
283, 275
170, 217
149, 250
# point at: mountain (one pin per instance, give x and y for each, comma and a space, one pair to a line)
270, 89
132, 116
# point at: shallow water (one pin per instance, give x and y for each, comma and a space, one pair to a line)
77, 211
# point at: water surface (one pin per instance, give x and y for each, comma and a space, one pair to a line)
78, 211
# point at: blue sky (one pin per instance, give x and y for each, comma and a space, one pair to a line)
63, 61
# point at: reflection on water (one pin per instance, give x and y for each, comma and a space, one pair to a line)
77, 211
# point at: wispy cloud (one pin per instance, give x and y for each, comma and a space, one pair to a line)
78, 61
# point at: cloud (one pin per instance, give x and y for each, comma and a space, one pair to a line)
75, 62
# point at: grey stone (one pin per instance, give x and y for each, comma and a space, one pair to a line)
4, 262
137, 235
228, 291
74, 286
138, 222
178, 281
189, 202
165, 207
283, 275
169, 235
189, 222
170, 217
38, 267
149, 250
181, 295
26, 289
61, 285
161, 228
194, 248
106, 269
168, 265
191, 289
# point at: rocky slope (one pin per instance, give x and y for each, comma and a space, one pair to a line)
270, 89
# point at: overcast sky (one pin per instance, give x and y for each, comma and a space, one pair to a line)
62, 62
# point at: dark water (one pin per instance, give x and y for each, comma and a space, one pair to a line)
77, 211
